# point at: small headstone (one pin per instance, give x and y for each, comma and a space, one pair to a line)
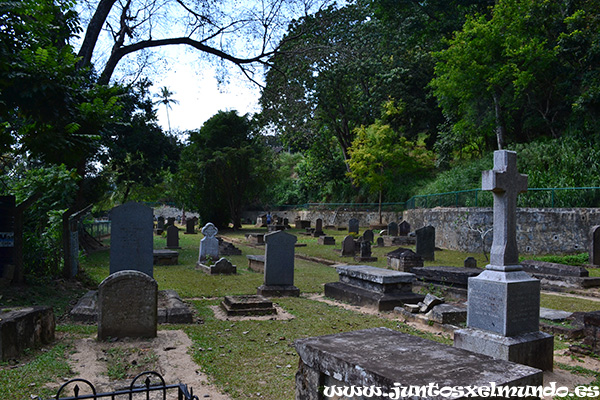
452, 314
392, 229
403, 228
279, 265
190, 226
326, 240
170, 221
353, 225
318, 228
380, 242
160, 225
209, 245
426, 242
429, 302
173, 237
595, 246
221, 267
348, 247
470, 262
131, 241
127, 306
365, 252
368, 236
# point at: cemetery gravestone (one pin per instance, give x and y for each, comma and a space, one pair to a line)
326, 240
160, 225
223, 267
470, 262
403, 228
353, 225
504, 301
318, 228
368, 236
348, 247
380, 242
173, 237
279, 265
365, 252
131, 240
595, 246
190, 226
127, 306
392, 229
209, 245
426, 242
170, 221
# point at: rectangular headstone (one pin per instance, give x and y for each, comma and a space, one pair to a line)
426, 242
403, 228
279, 265
368, 236
348, 247
173, 237
595, 245
392, 229
353, 225
131, 241
190, 226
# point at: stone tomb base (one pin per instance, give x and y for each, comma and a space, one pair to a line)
165, 257
380, 288
534, 349
256, 263
247, 305
381, 357
278, 291
25, 328
221, 267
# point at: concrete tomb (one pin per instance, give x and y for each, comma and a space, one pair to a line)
227, 248
255, 238
555, 276
131, 241
504, 301
426, 242
279, 265
25, 328
173, 237
301, 224
447, 276
379, 288
127, 306
256, 263
353, 225
247, 305
165, 257
404, 260
326, 240
381, 357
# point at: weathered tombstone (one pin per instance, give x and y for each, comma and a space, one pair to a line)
380, 242
160, 225
7, 237
131, 240
403, 228
365, 252
170, 221
392, 229
190, 226
318, 228
353, 225
404, 260
504, 301
368, 236
23, 328
173, 237
279, 265
426, 242
326, 240
595, 245
348, 247
127, 306
222, 267
470, 262
209, 245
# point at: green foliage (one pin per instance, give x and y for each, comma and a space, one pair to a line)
571, 259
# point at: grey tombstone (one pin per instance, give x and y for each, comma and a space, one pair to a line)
348, 247
595, 245
380, 242
127, 306
504, 301
173, 237
209, 245
318, 228
368, 236
190, 226
279, 265
160, 225
392, 229
470, 262
353, 225
426, 242
403, 228
131, 241
170, 221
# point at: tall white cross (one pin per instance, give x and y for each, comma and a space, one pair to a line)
505, 183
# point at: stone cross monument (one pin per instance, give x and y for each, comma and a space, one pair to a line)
504, 301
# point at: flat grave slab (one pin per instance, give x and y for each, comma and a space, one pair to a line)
452, 276
372, 357
554, 275
247, 305
256, 263
165, 257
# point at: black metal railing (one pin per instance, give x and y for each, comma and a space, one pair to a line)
158, 387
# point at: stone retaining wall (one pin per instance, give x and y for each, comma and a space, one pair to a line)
331, 217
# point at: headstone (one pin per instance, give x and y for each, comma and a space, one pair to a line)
353, 225
403, 228
365, 252
173, 237
504, 301
170, 221
127, 306
379, 288
209, 245
160, 225
404, 260
426, 242
347, 360
380, 242
131, 239
221, 267
595, 246
7, 236
190, 226
368, 236
470, 262
392, 229
348, 247
318, 228
326, 240
279, 265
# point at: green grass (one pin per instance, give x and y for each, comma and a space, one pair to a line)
565, 303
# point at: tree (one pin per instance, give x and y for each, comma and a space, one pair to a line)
166, 99
223, 167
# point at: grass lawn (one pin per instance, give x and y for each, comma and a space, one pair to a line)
247, 359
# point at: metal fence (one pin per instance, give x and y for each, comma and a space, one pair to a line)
97, 229
146, 389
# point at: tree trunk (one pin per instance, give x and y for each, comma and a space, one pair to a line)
93, 31
380, 216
